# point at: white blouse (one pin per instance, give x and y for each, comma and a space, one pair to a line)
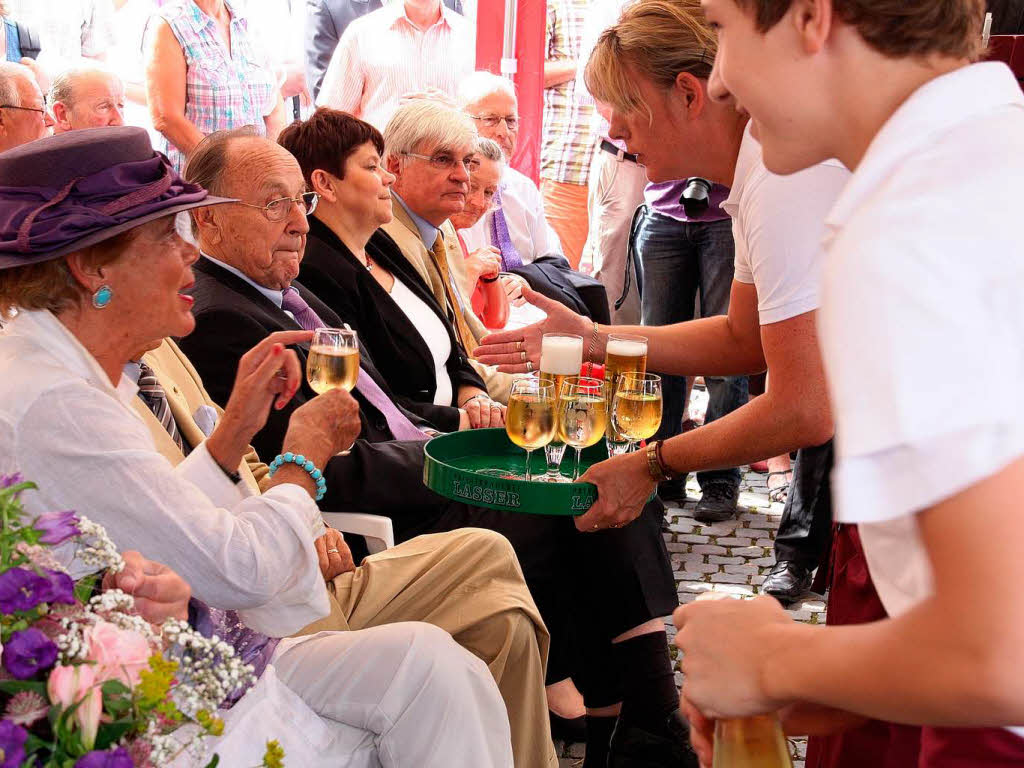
66, 428
434, 335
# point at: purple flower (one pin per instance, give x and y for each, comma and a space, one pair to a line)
12, 744
56, 527
59, 588
119, 758
22, 590
28, 652
6, 481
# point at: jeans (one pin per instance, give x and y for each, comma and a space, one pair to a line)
679, 259
806, 525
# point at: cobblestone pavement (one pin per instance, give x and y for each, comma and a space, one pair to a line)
733, 557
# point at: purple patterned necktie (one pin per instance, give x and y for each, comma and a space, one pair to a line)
398, 423
510, 258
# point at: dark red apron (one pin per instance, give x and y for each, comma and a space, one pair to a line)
877, 744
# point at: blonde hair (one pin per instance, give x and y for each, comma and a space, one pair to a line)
657, 39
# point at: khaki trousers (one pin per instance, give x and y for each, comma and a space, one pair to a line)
469, 583
565, 206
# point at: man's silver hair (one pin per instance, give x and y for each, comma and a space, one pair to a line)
10, 73
63, 87
426, 126
490, 149
482, 84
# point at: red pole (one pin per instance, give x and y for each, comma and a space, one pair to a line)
531, 22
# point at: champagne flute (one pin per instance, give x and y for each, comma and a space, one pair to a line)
582, 414
333, 361
561, 356
530, 420
624, 353
636, 406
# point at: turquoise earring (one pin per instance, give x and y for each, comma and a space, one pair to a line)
102, 297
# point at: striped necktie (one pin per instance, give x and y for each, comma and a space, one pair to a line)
510, 258
155, 398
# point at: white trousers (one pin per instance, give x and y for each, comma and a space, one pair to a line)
616, 188
399, 695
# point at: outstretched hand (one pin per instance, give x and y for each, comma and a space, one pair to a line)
159, 592
512, 350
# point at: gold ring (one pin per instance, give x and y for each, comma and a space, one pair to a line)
519, 344
529, 366
595, 527
523, 356
332, 550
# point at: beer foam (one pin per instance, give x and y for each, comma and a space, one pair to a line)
561, 355
626, 348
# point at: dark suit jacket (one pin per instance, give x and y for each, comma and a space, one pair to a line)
326, 20
335, 275
380, 475
552, 276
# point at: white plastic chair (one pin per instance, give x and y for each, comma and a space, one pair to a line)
377, 529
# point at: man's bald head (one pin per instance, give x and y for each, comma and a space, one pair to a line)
86, 97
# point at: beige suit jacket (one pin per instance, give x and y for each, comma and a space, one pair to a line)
185, 394
403, 231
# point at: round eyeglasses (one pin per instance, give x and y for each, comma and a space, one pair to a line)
277, 210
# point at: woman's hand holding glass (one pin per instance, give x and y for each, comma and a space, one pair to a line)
512, 350
531, 421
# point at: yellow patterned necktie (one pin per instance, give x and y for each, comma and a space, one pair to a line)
454, 299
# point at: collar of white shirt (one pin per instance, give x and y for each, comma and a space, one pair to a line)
275, 296
929, 112
393, 11
44, 330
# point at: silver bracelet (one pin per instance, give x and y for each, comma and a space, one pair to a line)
474, 397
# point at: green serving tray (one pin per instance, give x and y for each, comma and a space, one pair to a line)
454, 463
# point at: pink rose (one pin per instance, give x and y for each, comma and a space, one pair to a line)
120, 654
69, 685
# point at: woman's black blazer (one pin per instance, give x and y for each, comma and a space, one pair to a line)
335, 275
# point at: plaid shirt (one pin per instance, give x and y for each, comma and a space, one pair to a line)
568, 143
222, 90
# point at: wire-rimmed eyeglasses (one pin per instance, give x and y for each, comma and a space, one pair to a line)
277, 210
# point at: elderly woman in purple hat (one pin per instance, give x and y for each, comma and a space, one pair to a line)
96, 274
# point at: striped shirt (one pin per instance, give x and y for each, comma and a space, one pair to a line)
568, 143
223, 90
383, 56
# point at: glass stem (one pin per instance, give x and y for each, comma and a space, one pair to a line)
576, 472
529, 477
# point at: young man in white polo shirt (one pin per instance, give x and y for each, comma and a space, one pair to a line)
918, 279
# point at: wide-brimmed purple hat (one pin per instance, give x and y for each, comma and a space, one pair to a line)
64, 193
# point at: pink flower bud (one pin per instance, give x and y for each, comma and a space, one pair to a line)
68, 686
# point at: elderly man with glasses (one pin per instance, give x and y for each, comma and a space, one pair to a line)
23, 116
430, 148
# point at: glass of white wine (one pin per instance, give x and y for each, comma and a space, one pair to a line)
333, 361
530, 420
636, 406
582, 414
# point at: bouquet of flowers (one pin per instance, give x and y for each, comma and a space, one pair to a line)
85, 682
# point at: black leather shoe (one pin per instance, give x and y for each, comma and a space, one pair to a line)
787, 582
718, 501
633, 747
569, 730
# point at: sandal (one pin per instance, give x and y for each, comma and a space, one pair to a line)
779, 493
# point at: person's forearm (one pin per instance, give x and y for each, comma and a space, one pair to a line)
558, 72
935, 665
179, 131
767, 426
276, 120
708, 346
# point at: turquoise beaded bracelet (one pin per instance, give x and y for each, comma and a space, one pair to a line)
303, 463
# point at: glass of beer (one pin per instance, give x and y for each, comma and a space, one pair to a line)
561, 356
582, 414
624, 353
751, 742
333, 361
530, 420
636, 406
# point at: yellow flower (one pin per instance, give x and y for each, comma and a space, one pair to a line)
274, 756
